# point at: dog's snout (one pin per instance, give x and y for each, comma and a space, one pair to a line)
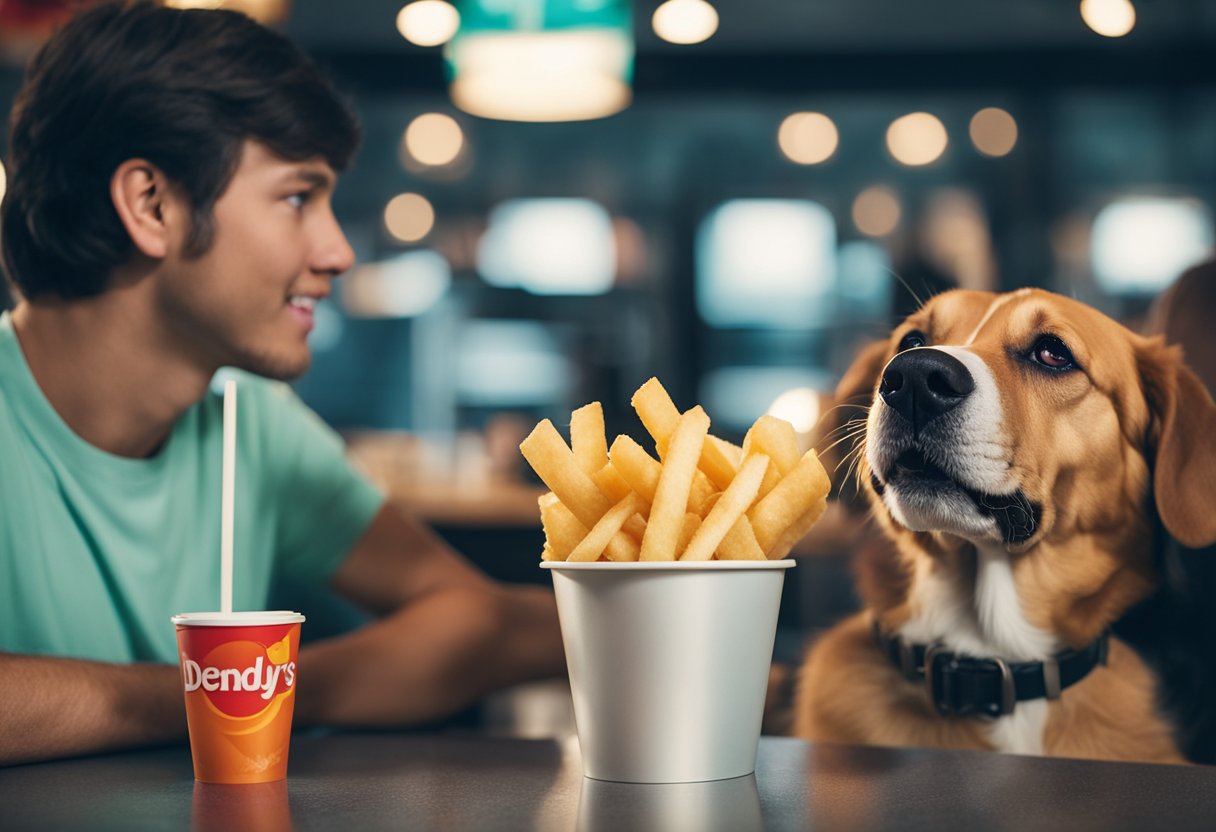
922, 384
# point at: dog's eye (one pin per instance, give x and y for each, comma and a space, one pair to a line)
1052, 353
912, 340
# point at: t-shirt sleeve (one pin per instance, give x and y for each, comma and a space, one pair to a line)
324, 504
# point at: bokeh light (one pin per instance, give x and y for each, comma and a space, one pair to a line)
876, 211
685, 21
1109, 18
917, 139
434, 139
409, 217
808, 138
993, 131
428, 22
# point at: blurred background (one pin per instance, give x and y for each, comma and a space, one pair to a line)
557, 199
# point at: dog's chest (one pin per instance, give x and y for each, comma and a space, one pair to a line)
983, 618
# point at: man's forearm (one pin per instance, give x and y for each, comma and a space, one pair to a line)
52, 707
432, 658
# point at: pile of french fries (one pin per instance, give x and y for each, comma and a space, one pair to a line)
702, 499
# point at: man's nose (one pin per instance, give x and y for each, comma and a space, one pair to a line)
922, 384
333, 254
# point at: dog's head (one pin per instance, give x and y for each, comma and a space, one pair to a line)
1031, 421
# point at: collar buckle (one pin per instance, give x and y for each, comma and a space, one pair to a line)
941, 669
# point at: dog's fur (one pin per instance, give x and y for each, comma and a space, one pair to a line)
1093, 465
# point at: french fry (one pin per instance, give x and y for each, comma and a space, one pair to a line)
692, 522
740, 542
675, 484
641, 471
562, 529
593, 545
554, 463
659, 415
728, 509
731, 452
611, 483
587, 438
703, 498
797, 493
775, 438
790, 537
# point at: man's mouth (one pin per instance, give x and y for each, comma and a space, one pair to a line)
306, 303
1015, 515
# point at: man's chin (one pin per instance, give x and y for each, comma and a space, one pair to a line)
279, 368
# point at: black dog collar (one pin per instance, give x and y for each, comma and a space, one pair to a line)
964, 686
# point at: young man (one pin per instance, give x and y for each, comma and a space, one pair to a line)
168, 213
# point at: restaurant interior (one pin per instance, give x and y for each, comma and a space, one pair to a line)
732, 196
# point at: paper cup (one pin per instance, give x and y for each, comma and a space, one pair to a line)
239, 678
668, 664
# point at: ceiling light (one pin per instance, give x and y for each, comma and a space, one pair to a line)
993, 131
428, 22
573, 62
808, 138
916, 139
1110, 18
685, 21
434, 139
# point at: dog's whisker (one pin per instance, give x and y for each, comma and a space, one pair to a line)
851, 435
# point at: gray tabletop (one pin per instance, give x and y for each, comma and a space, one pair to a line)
448, 782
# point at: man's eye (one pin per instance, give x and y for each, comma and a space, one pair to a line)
297, 200
912, 340
1052, 353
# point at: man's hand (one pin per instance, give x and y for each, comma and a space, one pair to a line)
432, 658
448, 636
52, 707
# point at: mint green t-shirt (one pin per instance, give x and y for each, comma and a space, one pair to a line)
97, 551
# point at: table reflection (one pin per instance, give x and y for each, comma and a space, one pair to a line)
727, 805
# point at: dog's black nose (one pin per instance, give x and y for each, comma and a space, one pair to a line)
922, 384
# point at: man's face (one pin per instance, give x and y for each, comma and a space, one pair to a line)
248, 301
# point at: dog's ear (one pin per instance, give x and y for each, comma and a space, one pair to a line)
858, 382
854, 393
1183, 444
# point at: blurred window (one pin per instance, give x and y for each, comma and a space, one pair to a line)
1140, 244
865, 280
766, 263
549, 247
400, 287
510, 364
737, 396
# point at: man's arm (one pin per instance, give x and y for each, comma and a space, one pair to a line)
51, 707
447, 636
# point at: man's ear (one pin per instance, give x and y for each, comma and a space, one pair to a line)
1184, 435
141, 196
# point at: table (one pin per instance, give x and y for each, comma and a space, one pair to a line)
369, 781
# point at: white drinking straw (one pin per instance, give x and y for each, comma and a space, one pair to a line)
228, 496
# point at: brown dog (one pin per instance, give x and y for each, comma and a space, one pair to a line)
1018, 453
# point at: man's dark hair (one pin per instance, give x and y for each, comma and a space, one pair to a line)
181, 88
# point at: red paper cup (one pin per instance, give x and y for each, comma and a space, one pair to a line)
239, 678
